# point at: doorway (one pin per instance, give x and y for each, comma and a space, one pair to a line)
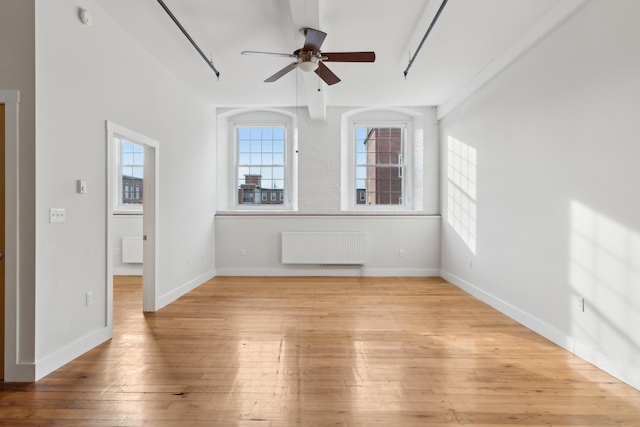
2, 250
149, 213
10, 351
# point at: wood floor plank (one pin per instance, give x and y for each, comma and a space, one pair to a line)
247, 351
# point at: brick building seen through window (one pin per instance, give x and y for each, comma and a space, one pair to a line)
379, 166
132, 190
252, 192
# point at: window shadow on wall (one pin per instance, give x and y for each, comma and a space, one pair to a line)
461, 190
605, 273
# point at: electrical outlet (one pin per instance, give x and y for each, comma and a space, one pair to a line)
401, 253
89, 298
580, 303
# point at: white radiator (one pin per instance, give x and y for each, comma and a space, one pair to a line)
324, 247
132, 249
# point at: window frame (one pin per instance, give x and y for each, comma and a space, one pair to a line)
227, 151
236, 178
118, 206
406, 167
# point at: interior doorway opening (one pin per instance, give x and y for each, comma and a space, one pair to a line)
132, 190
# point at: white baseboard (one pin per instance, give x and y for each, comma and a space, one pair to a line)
72, 351
20, 373
127, 271
615, 368
328, 271
619, 370
184, 289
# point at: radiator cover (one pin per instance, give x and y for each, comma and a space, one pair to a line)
340, 247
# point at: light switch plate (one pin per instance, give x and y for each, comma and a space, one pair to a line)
56, 215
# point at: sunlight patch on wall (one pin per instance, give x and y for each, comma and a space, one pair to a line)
461, 191
605, 271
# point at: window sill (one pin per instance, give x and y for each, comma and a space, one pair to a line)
341, 214
128, 213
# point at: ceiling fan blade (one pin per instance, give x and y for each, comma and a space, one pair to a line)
313, 40
349, 56
282, 72
326, 74
285, 55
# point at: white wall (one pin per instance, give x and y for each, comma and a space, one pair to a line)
557, 145
259, 238
320, 191
85, 76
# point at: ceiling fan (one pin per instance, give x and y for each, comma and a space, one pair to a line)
311, 58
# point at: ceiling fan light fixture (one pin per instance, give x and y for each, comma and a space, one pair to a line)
309, 65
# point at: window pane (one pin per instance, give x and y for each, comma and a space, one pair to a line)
244, 133
138, 158
243, 159
278, 173
244, 146
127, 158
267, 173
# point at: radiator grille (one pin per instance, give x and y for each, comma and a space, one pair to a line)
324, 248
132, 249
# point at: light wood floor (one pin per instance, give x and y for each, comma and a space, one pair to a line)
320, 352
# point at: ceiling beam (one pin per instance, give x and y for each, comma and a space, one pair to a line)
306, 14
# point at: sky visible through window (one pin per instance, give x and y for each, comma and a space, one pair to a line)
132, 160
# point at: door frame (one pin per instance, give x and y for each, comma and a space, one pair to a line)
149, 217
13, 369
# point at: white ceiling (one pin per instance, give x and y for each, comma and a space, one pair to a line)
468, 37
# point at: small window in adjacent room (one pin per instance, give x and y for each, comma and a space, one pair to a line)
130, 176
261, 164
379, 165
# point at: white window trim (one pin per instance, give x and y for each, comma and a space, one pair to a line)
228, 122
407, 149
258, 206
414, 172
